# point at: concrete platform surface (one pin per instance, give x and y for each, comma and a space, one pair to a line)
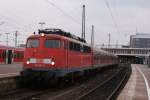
137, 88
10, 69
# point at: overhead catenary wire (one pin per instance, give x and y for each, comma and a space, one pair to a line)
111, 14
23, 27
12, 37
16, 22
9, 24
66, 14
62, 11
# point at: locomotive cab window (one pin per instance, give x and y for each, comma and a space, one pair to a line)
52, 43
32, 43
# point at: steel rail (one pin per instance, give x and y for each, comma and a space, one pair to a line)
100, 85
118, 86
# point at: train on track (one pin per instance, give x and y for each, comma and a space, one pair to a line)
54, 54
9, 55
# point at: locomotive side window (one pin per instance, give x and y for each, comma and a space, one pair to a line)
74, 46
71, 45
52, 43
32, 43
86, 49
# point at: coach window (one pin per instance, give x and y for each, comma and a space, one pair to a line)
0, 54
32, 43
15, 55
4, 54
52, 44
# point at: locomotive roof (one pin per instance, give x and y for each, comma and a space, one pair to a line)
59, 37
62, 33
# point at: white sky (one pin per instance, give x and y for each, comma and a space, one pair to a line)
120, 18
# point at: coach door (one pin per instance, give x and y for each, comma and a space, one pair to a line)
9, 56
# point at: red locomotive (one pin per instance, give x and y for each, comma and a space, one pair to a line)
54, 53
10, 55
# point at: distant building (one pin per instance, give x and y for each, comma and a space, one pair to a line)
125, 46
140, 41
22, 45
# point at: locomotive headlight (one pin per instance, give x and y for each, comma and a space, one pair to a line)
52, 63
28, 62
42, 34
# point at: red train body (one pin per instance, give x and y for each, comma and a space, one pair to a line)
18, 55
57, 54
10, 55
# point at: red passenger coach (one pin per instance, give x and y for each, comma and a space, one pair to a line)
54, 53
10, 55
18, 55
2, 54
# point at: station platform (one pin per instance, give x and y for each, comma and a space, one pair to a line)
10, 69
137, 87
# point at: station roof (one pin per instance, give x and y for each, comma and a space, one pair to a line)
141, 35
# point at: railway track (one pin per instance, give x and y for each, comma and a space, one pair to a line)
79, 91
123, 80
109, 89
20, 94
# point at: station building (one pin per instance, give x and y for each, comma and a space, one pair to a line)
140, 40
131, 55
138, 52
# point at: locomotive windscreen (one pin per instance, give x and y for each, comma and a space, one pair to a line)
32, 43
